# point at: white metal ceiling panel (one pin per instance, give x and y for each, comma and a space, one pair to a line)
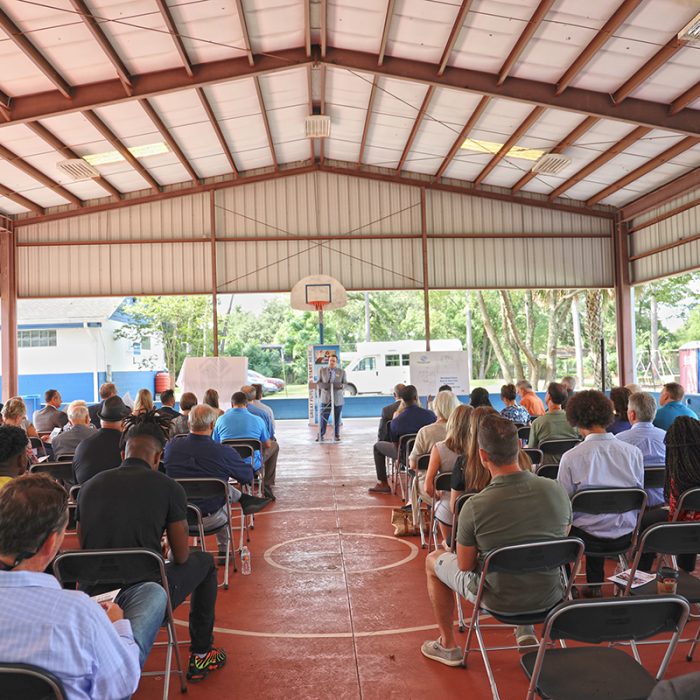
356, 25
274, 25
16, 180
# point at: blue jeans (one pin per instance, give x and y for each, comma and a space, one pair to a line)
144, 606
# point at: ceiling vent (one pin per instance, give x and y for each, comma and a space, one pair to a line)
318, 126
551, 164
77, 169
691, 31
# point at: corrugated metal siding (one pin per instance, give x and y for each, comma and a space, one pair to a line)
518, 263
692, 196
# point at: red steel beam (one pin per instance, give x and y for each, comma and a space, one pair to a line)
603, 158
169, 139
385, 33
91, 23
681, 102
661, 195
109, 136
514, 138
454, 33
246, 35
310, 107
322, 145
307, 27
666, 215
533, 23
667, 246
368, 118
13, 159
266, 123
34, 55
43, 133
217, 130
473, 119
416, 125
648, 69
324, 28
582, 60
650, 165
19, 199
567, 141
177, 39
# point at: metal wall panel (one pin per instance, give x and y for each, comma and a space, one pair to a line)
692, 196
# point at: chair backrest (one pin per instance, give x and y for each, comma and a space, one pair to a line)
29, 683
654, 477
246, 447
557, 447
74, 492
672, 538
455, 518
423, 461
61, 471
534, 556
409, 445
443, 482
605, 501
548, 471
65, 458
524, 433
534, 454
404, 442
198, 489
688, 500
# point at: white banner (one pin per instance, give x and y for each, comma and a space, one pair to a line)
430, 370
225, 374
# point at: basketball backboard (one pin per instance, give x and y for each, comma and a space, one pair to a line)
309, 293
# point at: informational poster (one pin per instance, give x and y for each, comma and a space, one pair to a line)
318, 357
225, 374
430, 370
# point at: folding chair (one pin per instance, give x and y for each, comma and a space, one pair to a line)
29, 683
247, 447
688, 500
515, 560
453, 548
654, 477
38, 445
524, 434
534, 454
556, 448
410, 473
548, 471
120, 568
421, 465
441, 483
61, 471
198, 490
608, 502
65, 458
601, 672
195, 522
401, 462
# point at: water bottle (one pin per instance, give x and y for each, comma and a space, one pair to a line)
245, 561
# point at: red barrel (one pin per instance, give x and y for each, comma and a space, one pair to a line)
162, 382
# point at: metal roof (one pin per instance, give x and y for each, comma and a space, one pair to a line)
59, 311
227, 84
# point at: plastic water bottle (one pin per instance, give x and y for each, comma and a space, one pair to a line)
245, 561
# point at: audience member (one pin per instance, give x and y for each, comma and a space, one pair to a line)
50, 417
388, 414
619, 396
258, 403
444, 404
180, 425
569, 384
672, 406
13, 453
239, 423
600, 461
167, 400
96, 651
107, 390
500, 515
686, 687
250, 393
198, 456
14, 412
513, 412
431, 398
132, 506
211, 398
529, 399
553, 424
101, 450
143, 402
479, 397
633, 388
409, 422
79, 428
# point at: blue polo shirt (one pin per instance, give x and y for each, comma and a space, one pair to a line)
665, 415
265, 416
239, 423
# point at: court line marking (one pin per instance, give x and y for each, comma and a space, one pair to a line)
304, 509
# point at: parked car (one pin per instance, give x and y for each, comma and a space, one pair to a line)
257, 378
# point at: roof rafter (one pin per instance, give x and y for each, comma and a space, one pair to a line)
177, 39
43, 133
217, 130
246, 35
91, 23
603, 158
416, 125
307, 27
109, 136
368, 118
385, 33
169, 139
533, 23
322, 145
20, 199
677, 148
266, 122
682, 101
5, 106
603, 35
34, 55
454, 33
324, 28
473, 119
514, 138
661, 195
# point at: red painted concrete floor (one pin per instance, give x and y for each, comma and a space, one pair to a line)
336, 607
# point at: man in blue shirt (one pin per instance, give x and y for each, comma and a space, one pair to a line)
239, 423
250, 394
197, 456
672, 406
408, 422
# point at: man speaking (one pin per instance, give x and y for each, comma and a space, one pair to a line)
331, 378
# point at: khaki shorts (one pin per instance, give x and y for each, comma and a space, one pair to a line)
448, 571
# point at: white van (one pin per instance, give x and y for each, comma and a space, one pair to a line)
380, 366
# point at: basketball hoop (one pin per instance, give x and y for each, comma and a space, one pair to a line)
318, 293
319, 304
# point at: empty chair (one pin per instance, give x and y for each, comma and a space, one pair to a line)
61, 471
548, 471
534, 454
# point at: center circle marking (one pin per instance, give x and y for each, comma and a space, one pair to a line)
413, 553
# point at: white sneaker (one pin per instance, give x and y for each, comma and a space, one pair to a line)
435, 651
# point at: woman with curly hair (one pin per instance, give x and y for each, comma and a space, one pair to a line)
513, 411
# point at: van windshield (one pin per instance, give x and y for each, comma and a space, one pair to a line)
365, 364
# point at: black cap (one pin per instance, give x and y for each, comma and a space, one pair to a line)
113, 410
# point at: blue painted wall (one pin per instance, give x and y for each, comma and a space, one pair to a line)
131, 381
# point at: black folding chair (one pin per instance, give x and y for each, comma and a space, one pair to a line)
421, 465
453, 548
120, 568
524, 434
654, 477
61, 471
534, 454
688, 500
556, 448
246, 448
516, 560
38, 444
28, 682
548, 471
594, 673
399, 464
65, 458
198, 490
441, 485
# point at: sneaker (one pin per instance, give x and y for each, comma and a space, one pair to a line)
252, 504
267, 491
199, 666
381, 487
435, 651
526, 639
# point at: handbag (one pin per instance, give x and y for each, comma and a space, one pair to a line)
402, 520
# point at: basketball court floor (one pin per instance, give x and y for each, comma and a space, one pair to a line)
336, 607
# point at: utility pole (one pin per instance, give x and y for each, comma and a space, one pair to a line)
368, 334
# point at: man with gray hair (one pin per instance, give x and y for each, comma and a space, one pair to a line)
196, 455
78, 428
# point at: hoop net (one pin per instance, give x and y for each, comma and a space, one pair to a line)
318, 305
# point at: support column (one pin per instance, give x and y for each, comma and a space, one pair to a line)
214, 276
426, 286
624, 307
8, 309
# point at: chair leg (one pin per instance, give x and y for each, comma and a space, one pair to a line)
178, 658
168, 665
485, 657
460, 614
468, 645
689, 657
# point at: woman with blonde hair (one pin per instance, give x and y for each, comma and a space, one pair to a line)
143, 402
14, 412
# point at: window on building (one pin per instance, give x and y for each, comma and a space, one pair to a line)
392, 360
405, 359
146, 343
36, 339
366, 364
